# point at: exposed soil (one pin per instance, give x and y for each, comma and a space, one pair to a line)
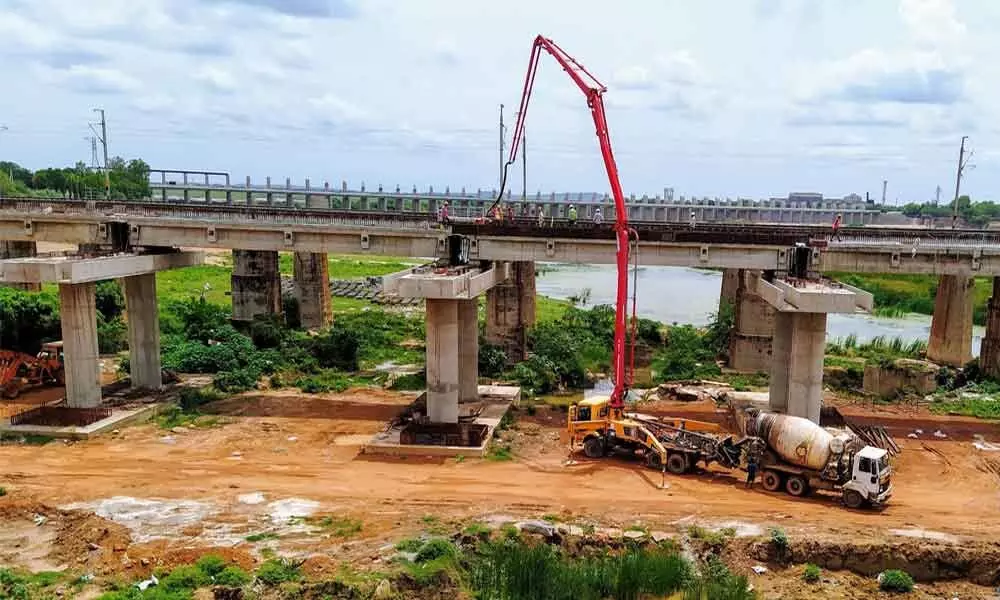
281, 454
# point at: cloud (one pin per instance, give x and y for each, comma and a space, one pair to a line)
674, 82
216, 79
931, 21
446, 52
845, 114
906, 84
95, 80
336, 9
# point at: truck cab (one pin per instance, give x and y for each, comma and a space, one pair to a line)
871, 478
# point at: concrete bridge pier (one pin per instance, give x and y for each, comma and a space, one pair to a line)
256, 284
452, 330
510, 311
801, 307
797, 369
753, 321
989, 353
143, 331
312, 289
951, 326
78, 316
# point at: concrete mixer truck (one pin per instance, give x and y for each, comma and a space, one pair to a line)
801, 456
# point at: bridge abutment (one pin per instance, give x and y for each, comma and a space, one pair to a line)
752, 331
951, 326
312, 289
256, 284
510, 311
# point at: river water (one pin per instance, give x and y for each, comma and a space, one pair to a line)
682, 295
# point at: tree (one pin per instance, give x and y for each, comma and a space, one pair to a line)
14, 171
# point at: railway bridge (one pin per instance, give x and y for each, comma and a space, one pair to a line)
780, 316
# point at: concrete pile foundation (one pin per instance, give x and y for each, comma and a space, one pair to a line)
989, 354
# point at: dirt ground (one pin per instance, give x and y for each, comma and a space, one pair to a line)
277, 455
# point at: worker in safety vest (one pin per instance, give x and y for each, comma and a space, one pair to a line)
510, 212
541, 216
598, 217
571, 213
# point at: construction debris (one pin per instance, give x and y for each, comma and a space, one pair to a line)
875, 435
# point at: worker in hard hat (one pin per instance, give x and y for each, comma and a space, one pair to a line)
443, 213
598, 217
571, 213
541, 216
693, 219
836, 226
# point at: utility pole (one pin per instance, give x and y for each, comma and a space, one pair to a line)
885, 184
93, 150
937, 196
962, 162
501, 145
103, 136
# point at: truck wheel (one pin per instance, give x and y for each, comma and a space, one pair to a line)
677, 463
653, 460
796, 485
593, 447
771, 481
853, 499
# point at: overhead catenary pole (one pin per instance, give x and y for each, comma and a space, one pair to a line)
103, 137
885, 184
958, 181
524, 167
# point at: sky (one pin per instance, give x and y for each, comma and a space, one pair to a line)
727, 98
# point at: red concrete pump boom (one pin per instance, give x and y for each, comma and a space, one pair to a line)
594, 91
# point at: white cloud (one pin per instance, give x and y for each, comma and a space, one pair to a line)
408, 92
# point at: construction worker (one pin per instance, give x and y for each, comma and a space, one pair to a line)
836, 227
571, 213
751, 469
598, 217
541, 216
510, 213
693, 219
443, 213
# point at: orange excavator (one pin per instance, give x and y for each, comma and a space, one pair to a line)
20, 372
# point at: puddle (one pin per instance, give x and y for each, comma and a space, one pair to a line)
148, 519
252, 498
283, 511
743, 529
925, 535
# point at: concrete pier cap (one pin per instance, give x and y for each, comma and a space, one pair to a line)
799, 341
77, 277
451, 294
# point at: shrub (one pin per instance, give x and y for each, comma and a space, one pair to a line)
112, 334
109, 299
717, 582
233, 576
409, 545
293, 313
185, 578
811, 573
436, 548
28, 319
492, 359
3, 491
193, 398
779, 540
211, 564
895, 580
237, 380
337, 349
274, 571
267, 331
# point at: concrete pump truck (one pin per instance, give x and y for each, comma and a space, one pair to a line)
793, 455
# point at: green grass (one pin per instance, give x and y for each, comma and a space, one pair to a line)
341, 527
550, 309
498, 452
261, 537
896, 295
982, 408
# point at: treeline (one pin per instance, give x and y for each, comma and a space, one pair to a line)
129, 180
28, 319
974, 213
